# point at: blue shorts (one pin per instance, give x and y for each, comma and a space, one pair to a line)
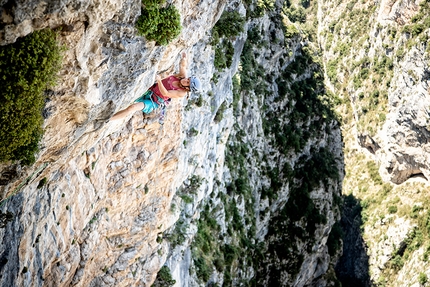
149, 103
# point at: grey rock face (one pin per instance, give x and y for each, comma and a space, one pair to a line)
405, 135
111, 188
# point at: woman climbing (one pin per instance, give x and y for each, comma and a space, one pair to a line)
175, 86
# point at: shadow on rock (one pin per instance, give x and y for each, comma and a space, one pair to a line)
352, 269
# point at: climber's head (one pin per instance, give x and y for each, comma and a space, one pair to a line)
195, 84
192, 84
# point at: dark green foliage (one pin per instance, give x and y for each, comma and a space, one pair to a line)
202, 269
397, 262
205, 246
392, 209
413, 241
296, 14
254, 36
42, 182
177, 237
230, 24
164, 278
334, 239
305, 3
27, 68
422, 278
415, 211
424, 223
209, 251
194, 182
302, 112
420, 22
332, 70
224, 55
364, 73
426, 254
283, 228
236, 94
160, 24
308, 96
252, 74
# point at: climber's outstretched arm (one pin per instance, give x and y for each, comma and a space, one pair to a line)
183, 66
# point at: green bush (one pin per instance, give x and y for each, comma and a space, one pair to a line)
392, 209
296, 14
153, 3
422, 278
164, 278
291, 31
220, 113
159, 24
230, 24
203, 271
397, 262
224, 56
27, 68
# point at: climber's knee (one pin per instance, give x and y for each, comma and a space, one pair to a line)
136, 107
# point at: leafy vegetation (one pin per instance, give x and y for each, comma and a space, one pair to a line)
158, 23
187, 192
229, 25
164, 278
302, 112
27, 68
206, 250
220, 112
422, 278
210, 253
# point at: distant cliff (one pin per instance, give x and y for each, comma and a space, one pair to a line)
376, 56
240, 186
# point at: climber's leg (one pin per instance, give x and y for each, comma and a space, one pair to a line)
131, 109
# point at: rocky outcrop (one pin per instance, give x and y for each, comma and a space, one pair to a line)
100, 204
376, 59
405, 135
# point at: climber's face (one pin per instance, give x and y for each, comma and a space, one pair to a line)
185, 82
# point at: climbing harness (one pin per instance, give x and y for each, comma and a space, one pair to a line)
160, 103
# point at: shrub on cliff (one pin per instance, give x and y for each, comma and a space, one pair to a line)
27, 68
164, 278
159, 24
230, 24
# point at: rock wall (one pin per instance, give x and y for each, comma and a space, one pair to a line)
377, 65
248, 214
97, 207
108, 186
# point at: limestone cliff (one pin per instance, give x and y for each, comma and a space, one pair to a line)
253, 163
377, 64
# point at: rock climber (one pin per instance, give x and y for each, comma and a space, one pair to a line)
174, 86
